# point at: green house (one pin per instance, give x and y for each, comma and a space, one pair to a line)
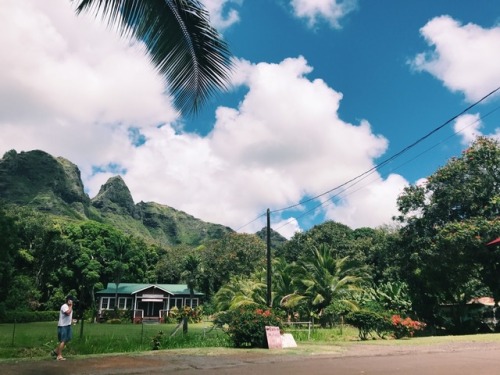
148, 301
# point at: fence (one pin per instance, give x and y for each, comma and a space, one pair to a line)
300, 325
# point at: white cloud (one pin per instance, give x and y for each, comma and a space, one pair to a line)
465, 57
331, 11
72, 88
222, 14
370, 204
468, 127
287, 228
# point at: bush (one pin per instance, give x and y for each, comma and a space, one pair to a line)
124, 315
175, 315
405, 327
246, 326
29, 316
368, 321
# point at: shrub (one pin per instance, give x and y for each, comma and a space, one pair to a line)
29, 316
124, 315
175, 315
246, 325
368, 321
405, 327
193, 315
156, 341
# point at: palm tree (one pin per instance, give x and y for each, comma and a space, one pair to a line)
181, 43
240, 291
325, 278
191, 276
285, 291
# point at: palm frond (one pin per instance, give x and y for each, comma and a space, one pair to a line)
182, 45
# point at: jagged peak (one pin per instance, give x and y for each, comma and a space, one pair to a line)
114, 196
36, 177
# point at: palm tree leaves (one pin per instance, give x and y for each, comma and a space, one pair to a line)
325, 277
181, 43
316, 281
240, 291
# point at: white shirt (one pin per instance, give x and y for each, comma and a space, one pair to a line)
64, 319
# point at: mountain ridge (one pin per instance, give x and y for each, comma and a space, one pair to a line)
53, 186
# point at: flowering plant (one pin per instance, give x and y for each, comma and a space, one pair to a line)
194, 315
246, 325
405, 327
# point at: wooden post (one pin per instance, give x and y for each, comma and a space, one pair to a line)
269, 269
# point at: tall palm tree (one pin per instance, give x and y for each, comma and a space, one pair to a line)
285, 289
181, 43
325, 278
191, 276
240, 291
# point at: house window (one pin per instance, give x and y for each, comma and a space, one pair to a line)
192, 303
107, 303
124, 303
176, 302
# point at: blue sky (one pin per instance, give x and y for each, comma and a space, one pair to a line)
322, 92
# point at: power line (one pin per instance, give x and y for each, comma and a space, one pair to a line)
393, 156
257, 218
328, 200
381, 164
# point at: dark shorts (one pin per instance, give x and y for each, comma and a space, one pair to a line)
64, 334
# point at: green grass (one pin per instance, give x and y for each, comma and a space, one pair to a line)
36, 340
32, 340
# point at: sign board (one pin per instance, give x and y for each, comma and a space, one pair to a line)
273, 337
157, 296
287, 341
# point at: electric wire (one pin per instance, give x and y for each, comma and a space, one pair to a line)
343, 195
381, 164
393, 156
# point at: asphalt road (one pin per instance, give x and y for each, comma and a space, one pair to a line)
470, 359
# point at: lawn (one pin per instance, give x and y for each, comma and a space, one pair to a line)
31, 340
36, 340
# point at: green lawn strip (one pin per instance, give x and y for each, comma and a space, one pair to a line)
34, 341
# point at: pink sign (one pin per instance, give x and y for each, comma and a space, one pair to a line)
273, 337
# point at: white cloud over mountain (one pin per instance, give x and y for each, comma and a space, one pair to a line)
73, 88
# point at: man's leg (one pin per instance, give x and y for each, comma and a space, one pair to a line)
59, 349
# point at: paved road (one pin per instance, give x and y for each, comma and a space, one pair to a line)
478, 359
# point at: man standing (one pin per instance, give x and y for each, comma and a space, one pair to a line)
64, 332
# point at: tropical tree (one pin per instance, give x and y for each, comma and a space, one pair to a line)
170, 265
234, 254
325, 278
285, 289
190, 275
337, 236
36, 259
390, 297
181, 43
240, 291
446, 224
8, 250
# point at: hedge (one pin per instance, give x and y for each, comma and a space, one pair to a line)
28, 316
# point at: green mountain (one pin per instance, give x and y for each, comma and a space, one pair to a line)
53, 186
277, 240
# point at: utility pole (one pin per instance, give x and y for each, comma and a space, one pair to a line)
269, 270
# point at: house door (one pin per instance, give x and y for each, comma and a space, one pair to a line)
151, 309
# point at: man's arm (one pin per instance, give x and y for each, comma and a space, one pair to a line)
70, 308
